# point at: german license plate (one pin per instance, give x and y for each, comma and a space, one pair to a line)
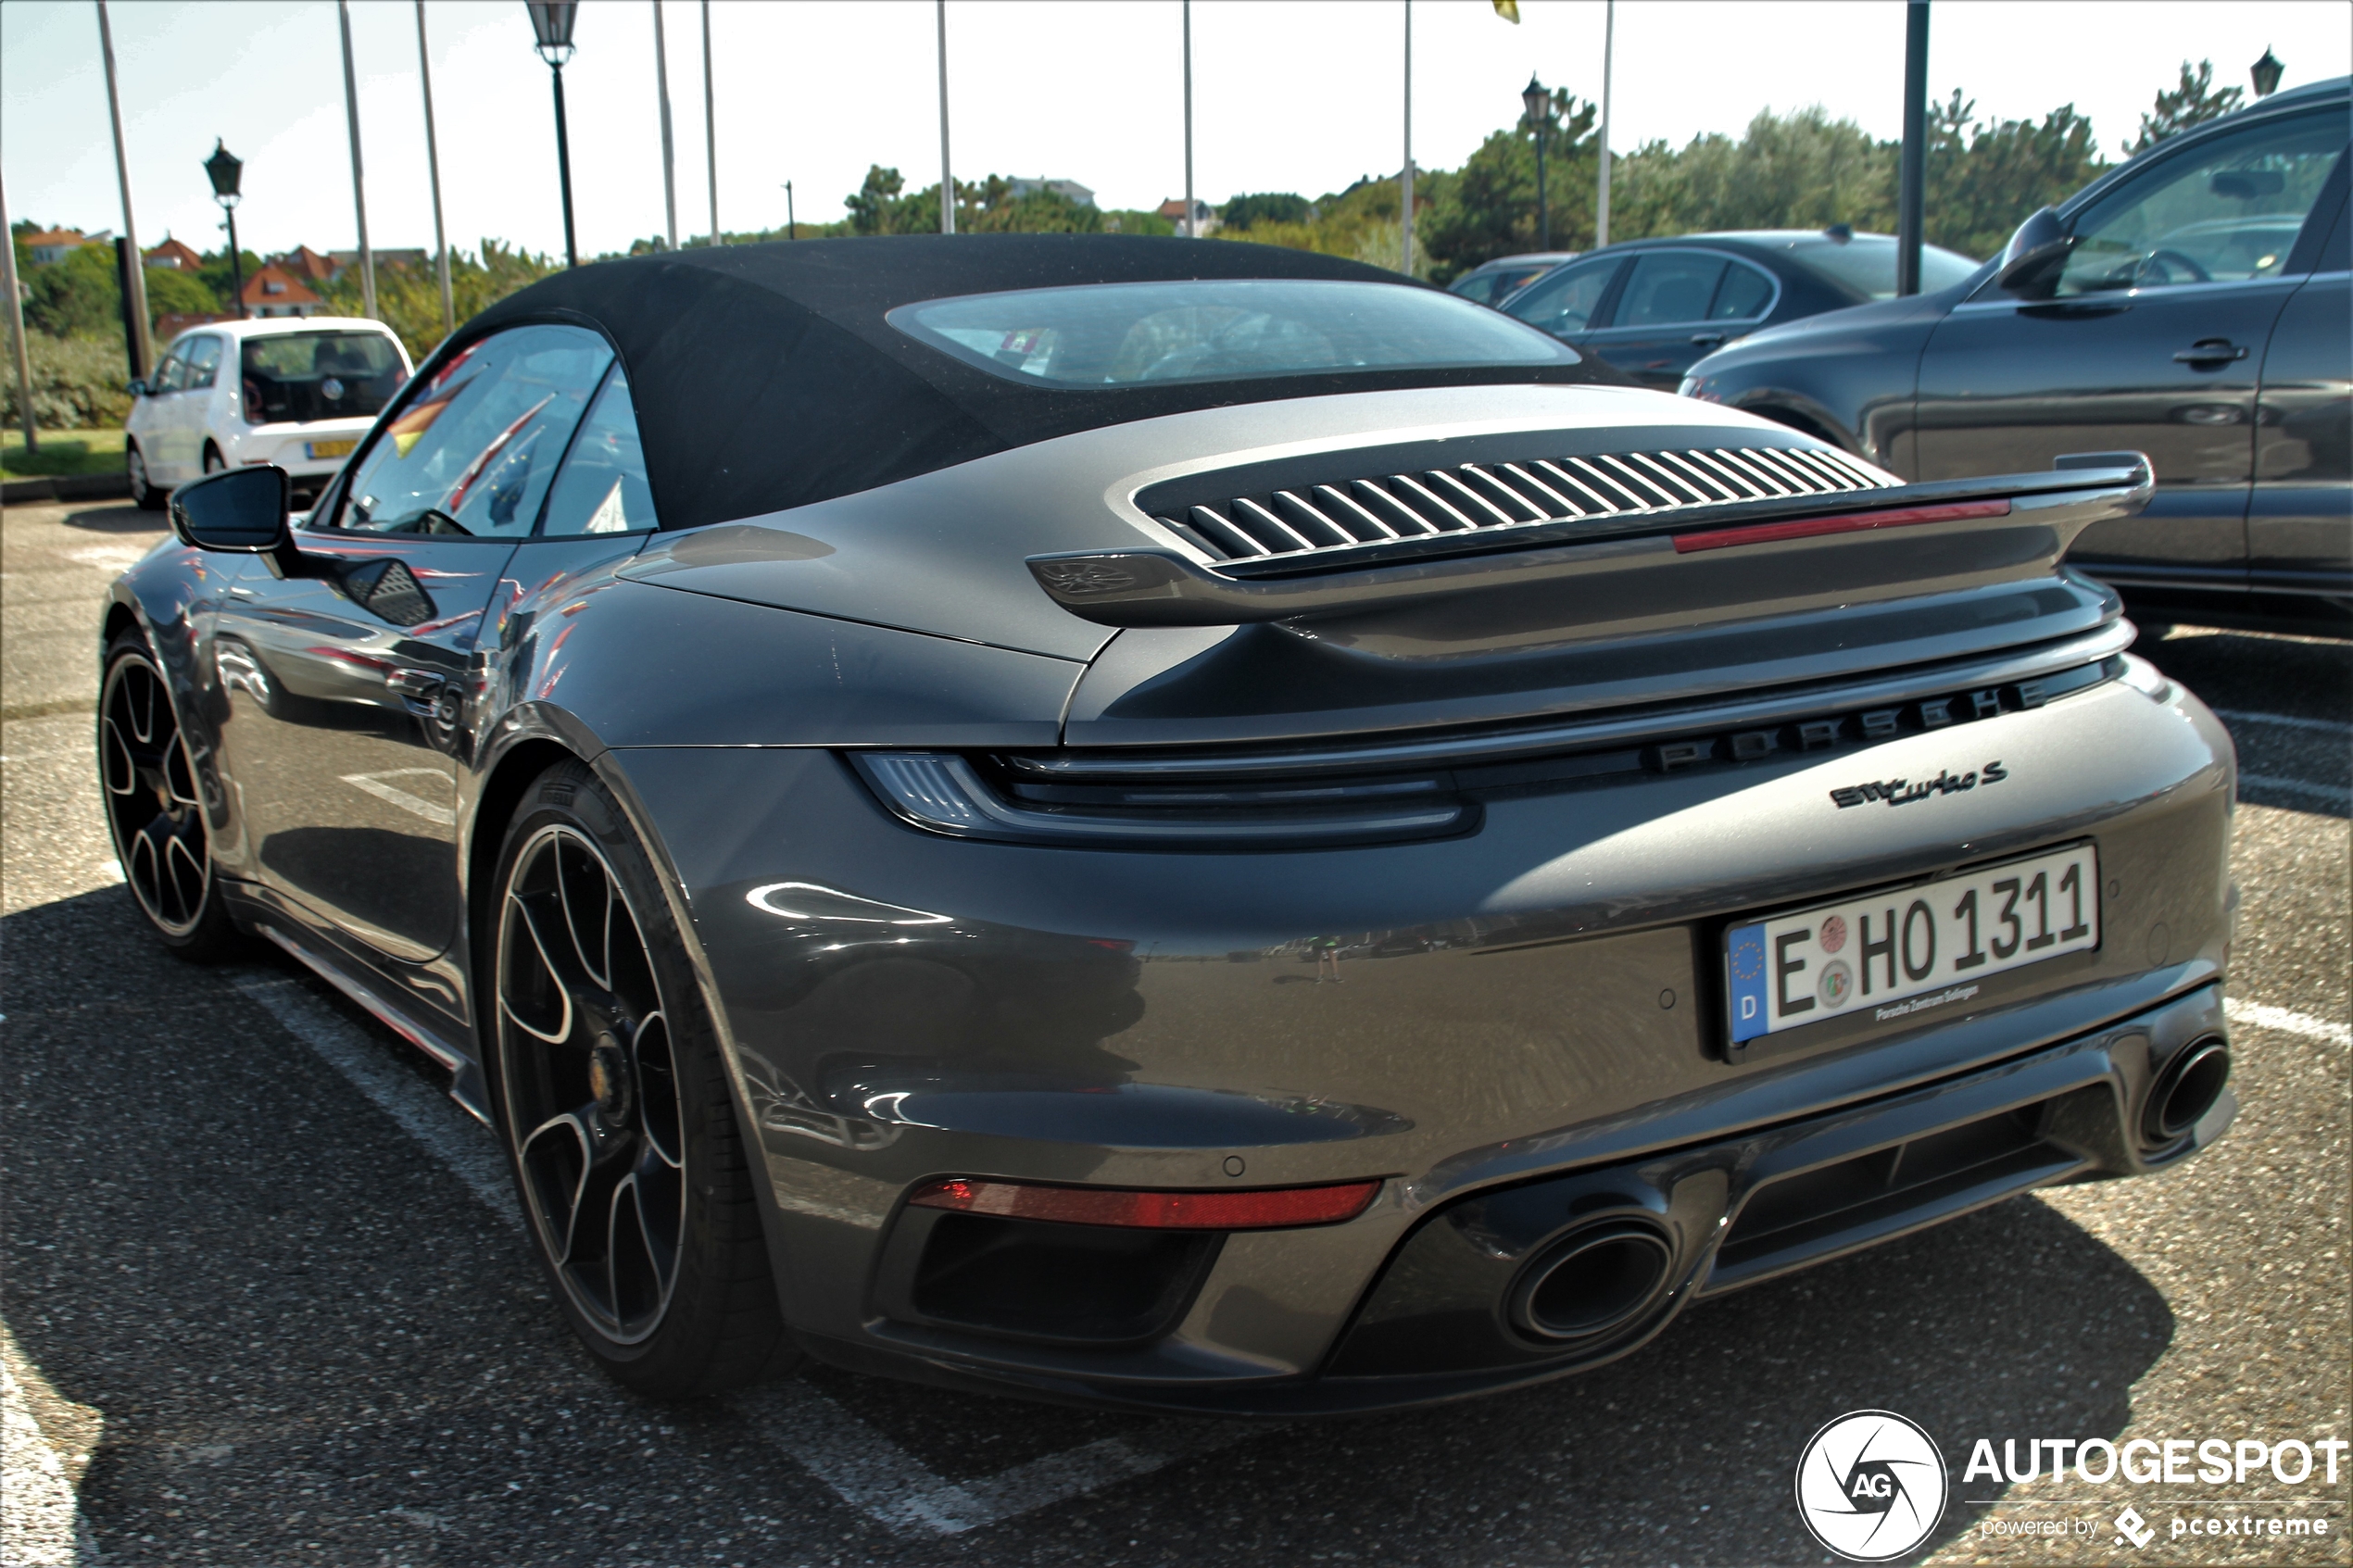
1904, 954
331, 448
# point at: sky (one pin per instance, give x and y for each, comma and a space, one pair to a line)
1288, 94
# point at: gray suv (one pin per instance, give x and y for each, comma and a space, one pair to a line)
2191, 305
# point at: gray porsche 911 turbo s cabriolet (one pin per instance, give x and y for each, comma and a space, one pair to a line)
1182, 825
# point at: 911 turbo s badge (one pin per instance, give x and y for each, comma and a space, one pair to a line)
1903, 792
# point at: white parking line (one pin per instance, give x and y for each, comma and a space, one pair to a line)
432, 1119
864, 1468
2286, 1023
375, 785
2286, 720
41, 1523
2333, 795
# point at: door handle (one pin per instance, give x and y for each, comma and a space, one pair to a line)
2209, 351
1706, 340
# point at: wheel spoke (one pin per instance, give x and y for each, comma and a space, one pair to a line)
658, 1090
588, 906
530, 990
638, 1274
555, 1162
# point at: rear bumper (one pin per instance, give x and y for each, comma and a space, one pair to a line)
1436, 1324
1539, 1000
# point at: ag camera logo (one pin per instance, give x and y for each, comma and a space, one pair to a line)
1871, 1486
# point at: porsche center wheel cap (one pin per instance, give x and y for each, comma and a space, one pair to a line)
609, 1079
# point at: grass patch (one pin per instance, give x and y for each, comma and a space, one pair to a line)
62, 452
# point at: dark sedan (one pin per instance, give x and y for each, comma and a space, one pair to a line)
1492, 282
2190, 305
1653, 307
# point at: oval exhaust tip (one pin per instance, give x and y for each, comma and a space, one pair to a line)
2185, 1090
1592, 1281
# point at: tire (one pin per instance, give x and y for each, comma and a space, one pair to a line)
156, 807
213, 461
614, 1106
144, 491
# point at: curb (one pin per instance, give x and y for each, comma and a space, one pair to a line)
64, 487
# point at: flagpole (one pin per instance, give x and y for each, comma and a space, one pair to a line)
433, 169
947, 180
669, 160
710, 124
16, 328
1405, 185
135, 302
1192, 226
1609, 49
358, 187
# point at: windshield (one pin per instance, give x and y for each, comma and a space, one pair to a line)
325, 375
1122, 335
1866, 264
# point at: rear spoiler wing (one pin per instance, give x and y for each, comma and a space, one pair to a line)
2027, 521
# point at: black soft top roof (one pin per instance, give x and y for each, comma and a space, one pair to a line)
765, 377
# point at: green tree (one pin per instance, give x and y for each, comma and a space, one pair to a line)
408, 298
1270, 207
1488, 208
1984, 180
2194, 101
81, 296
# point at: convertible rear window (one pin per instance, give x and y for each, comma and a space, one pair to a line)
1119, 335
324, 375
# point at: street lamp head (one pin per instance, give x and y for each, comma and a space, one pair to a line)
551, 26
223, 168
1538, 101
2266, 72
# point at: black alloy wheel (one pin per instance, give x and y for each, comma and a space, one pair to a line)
143, 491
155, 806
619, 1123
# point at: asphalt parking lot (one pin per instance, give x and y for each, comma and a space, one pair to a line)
265, 1302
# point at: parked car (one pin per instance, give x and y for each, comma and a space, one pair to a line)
1654, 307
803, 733
296, 392
1491, 282
2192, 304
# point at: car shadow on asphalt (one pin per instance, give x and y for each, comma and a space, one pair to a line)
189, 1203
116, 520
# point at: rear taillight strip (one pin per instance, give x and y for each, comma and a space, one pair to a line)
1808, 528
1264, 1209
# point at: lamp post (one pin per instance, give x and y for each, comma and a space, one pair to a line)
1539, 102
2266, 72
223, 169
551, 26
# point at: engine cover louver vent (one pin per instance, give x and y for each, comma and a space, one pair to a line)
1483, 496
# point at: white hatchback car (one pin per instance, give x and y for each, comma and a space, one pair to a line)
300, 392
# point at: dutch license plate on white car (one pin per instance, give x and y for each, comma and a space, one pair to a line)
320, 449
1900, 954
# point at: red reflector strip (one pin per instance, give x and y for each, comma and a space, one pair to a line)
1263, 1210
1854, 523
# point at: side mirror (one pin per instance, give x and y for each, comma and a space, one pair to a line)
243, 511
137, 388
2031, 262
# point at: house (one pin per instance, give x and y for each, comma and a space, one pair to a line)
309, 265
1023, 186
176, 256
274, 292
47, 247
1204, 216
